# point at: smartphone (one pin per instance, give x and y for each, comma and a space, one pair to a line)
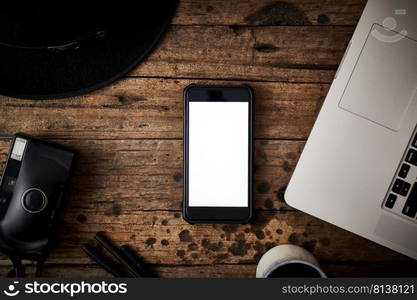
218, 126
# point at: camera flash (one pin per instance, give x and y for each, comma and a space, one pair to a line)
18, 149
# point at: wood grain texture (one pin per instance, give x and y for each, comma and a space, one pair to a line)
288, 54
162, 237
147, 174
126, 187
269, 12
153, 108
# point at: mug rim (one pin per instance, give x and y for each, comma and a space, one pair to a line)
279, 264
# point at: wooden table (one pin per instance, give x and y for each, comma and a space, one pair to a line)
128, 180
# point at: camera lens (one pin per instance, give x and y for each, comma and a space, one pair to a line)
34, 200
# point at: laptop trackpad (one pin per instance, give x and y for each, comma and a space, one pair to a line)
397, 231
384, 79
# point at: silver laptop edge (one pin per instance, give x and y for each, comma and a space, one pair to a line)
364, 132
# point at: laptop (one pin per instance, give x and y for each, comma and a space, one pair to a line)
358, 169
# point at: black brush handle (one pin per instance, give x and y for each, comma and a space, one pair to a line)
135, 261
101, 260
116, 252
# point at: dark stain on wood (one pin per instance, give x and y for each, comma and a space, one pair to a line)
239, 248
185, 236
305, 234
260, 220
211, 246
181, 253
286, 166
164, 222
205, 243
192, 247
290, 156
115, 210
279, 231
177, 215
164, 242
209, 8
258, 246
178, 177
281, 194
309, 245
123, 101
81, 219
270, 245
265, 48
263, 187
150, 241
293, 239
323, 19
260, 234
195, 256
278, 13
230, 228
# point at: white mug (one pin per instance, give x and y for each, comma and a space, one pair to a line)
285, 257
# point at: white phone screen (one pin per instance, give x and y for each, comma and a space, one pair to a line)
218, 154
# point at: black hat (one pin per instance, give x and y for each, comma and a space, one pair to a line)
54, 49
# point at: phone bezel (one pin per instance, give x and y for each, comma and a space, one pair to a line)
209, 93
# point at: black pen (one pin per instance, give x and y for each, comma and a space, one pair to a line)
102, 261
116, 252
135, 261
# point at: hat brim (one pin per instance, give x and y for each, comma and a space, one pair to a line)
45, 74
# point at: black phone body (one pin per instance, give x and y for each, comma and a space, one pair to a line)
218, 129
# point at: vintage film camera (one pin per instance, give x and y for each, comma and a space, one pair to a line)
31, 191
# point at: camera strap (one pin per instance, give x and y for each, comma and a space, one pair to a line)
19, 269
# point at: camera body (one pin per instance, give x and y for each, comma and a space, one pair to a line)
31, 191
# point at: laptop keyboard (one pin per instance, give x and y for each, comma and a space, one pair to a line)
402, 196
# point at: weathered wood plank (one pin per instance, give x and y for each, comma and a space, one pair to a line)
147, 174
290, 54
376, 270
164, 238
267, 12
153, 108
